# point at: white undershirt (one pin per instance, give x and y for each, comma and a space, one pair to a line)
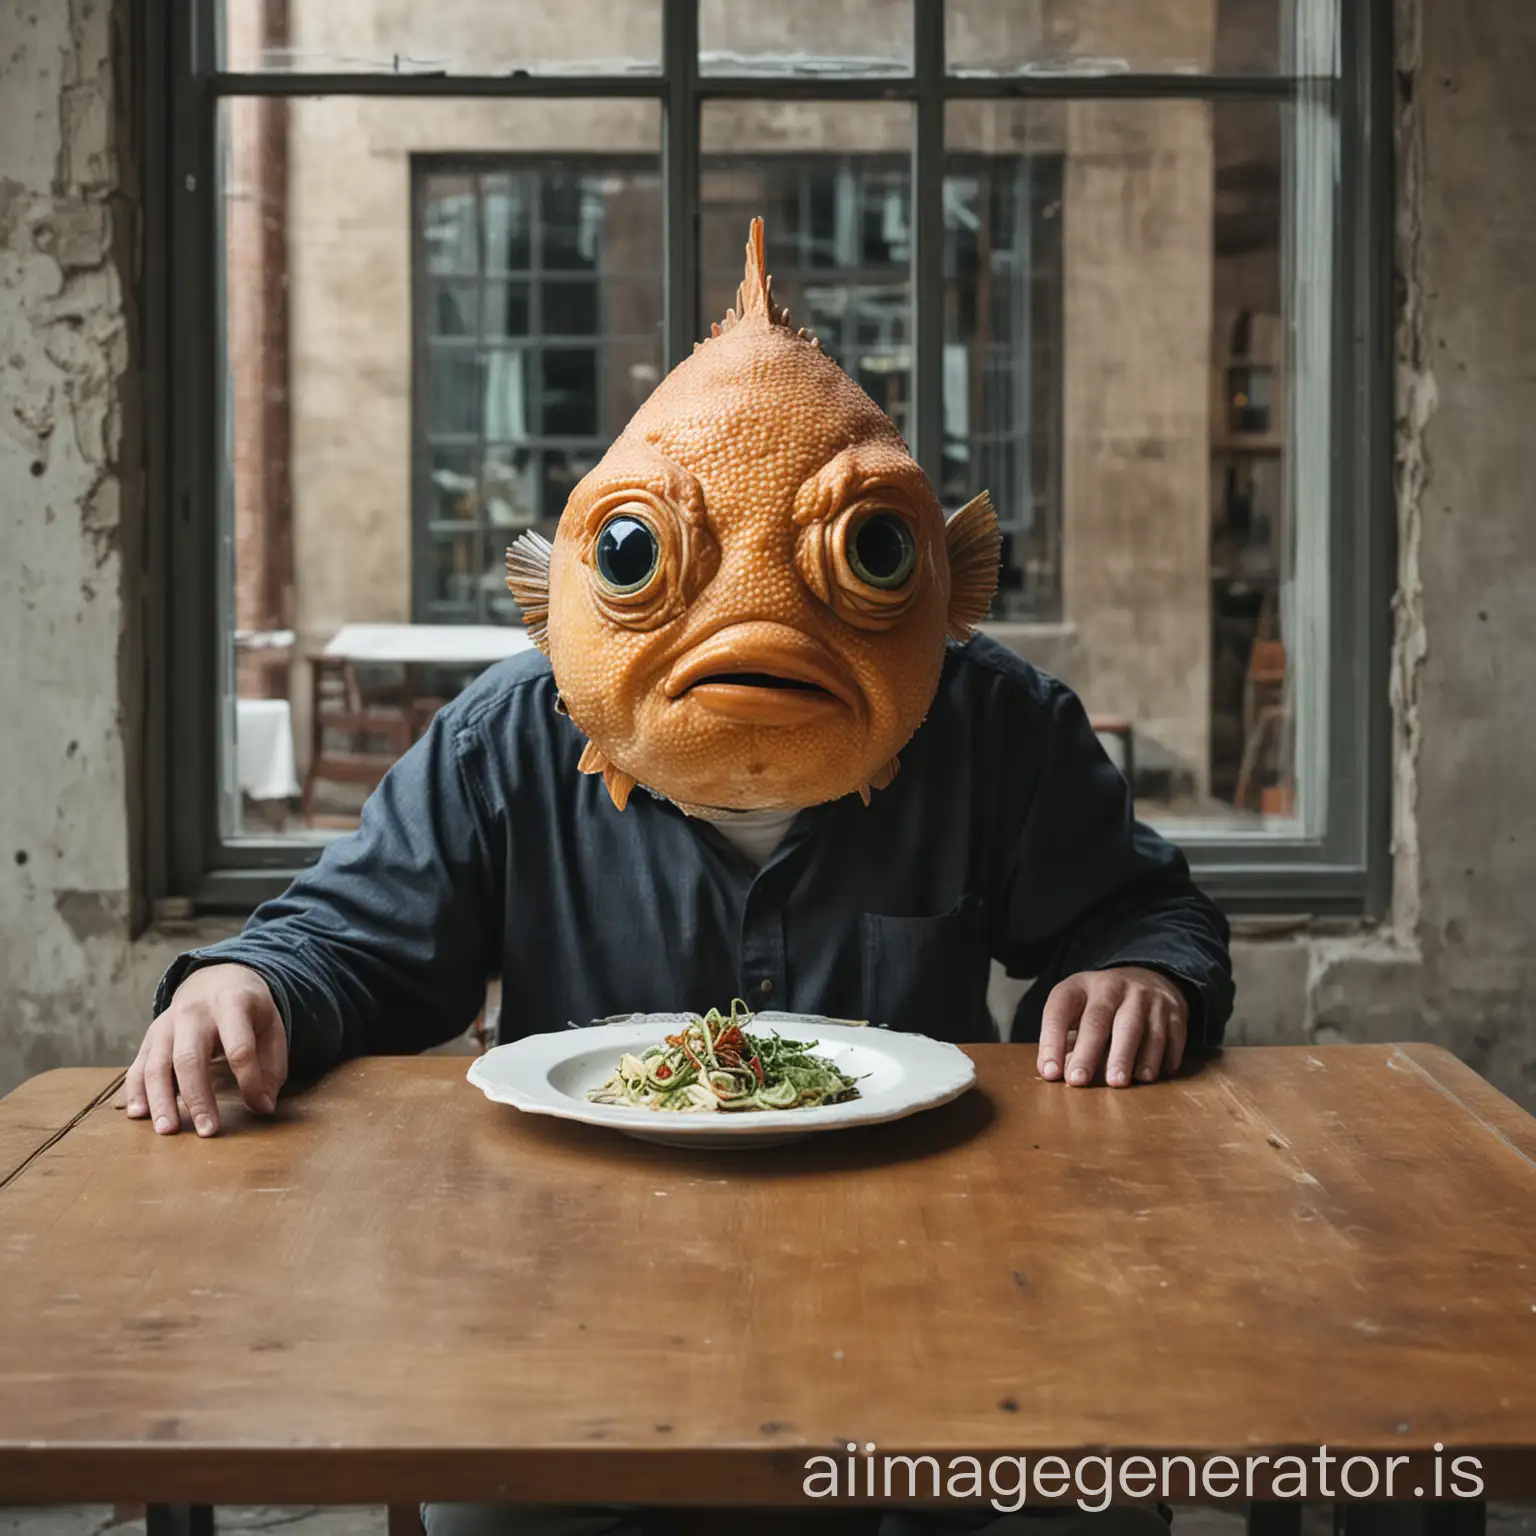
754, 833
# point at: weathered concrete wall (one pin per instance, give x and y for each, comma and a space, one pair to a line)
72, 986
1456, 964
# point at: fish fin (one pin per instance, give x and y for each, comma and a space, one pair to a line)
620, 785
528, 582
880, 779
755, 295
974, 544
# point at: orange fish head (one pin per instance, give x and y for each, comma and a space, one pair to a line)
747, 600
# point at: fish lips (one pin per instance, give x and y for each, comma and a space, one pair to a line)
764, 674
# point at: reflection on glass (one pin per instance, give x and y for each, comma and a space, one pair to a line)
805, 37
1117, 374
571, 268
457, 36
429, 340
1224, 37
838, 226
508, 307
1002, 361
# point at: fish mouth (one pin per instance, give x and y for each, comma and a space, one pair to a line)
763, 674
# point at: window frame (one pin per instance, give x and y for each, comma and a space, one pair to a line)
191, 867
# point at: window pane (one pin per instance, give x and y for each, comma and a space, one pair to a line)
570, 309
805, 37
509, 487
455, 309
455, 486
390, 397
569, 391
509, 393
1002, 370
1227, 37
833, 184
508, 310
455, 392
459, 36
451, 225
1134, 372
509, 214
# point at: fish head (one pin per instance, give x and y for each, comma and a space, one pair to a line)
747, 600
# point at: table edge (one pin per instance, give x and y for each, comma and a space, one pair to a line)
1495, 1111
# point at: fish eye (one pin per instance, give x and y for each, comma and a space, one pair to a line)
882, 551
627, 553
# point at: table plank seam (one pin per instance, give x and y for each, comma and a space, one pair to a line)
1400, 1054
57, 1136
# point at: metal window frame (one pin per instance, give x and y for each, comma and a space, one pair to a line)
1346, 873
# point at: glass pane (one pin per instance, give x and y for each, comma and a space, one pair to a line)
454, 309
459, 36
1132, 373
805, 37
456, 395
390, 395
456, 562
510, 487
455, 486
1225, 37
569, 391
450, 225
563, 471
570, 309
508, 307
509, 214
510, 400
630, 371
833, 185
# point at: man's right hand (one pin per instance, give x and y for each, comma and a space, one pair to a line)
221, 1010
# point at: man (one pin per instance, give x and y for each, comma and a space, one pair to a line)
762, 755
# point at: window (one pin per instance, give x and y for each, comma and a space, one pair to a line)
414, 266
538, 332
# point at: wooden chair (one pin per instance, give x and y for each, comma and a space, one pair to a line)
1266, 723
1120, 728
373, 734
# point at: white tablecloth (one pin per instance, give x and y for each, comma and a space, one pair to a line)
264, 761
449, 645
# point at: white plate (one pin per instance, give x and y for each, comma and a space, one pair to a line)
899, 1075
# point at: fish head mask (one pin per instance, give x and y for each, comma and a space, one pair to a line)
747, 600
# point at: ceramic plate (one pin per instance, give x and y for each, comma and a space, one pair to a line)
898, 1074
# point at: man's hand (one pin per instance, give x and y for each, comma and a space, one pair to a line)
220, 1010
1138, 1014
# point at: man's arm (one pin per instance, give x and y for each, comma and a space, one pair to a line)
1089, 892
385, 946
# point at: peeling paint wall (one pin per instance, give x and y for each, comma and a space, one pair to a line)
73, 988
1455, 964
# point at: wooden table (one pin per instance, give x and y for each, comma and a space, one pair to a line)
399, 1291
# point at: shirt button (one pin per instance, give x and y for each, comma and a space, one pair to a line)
765, 986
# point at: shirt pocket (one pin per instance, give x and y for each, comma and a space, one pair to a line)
928, 975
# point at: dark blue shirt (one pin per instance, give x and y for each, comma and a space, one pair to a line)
1007, 834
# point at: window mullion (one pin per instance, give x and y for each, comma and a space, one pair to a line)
928, 239
680, 175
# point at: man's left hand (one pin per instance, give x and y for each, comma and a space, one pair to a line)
1139, 1017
